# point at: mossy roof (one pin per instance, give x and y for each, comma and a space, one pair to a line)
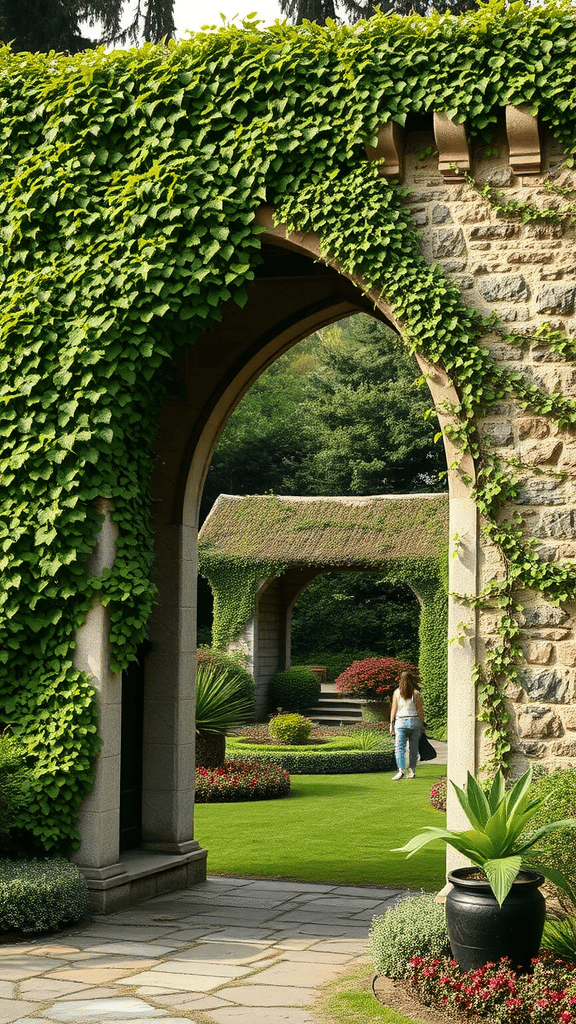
326, 531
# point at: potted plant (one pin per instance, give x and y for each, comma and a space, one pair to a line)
373, 681
495, 909
221, 705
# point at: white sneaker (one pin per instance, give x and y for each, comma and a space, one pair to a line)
411, 774
399, 775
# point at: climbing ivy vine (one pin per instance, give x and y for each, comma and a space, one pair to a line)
129, 182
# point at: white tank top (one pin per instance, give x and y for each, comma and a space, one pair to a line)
406, 708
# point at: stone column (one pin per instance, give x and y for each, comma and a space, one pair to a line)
100, 810
169, 720
462, 654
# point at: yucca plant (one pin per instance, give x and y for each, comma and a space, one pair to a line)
494, 842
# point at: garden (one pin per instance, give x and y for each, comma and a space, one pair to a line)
492, 952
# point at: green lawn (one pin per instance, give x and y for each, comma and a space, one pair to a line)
332, 828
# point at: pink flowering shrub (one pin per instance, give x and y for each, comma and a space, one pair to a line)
438, 794
241, 780
373, 678
495, 991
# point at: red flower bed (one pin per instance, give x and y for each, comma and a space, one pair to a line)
495, 991
373, 678
438, 794
241, 780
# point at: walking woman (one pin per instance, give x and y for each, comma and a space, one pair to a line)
407, 721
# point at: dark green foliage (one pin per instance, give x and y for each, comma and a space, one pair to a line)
39, 895
293, 689
416, 926
290, 729
232, 668
42, 25
129, 183
365, 417
372, 618
14, 782
355, 10
332, 762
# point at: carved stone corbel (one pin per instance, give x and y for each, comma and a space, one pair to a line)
523, 140
453, 150
390, 148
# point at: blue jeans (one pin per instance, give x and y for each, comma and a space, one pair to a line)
407, 731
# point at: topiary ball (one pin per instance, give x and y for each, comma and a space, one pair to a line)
294, 689
291, 729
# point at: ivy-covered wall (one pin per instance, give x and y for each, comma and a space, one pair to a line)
129, 184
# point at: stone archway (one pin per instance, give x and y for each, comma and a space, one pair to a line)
259, 552
293, 295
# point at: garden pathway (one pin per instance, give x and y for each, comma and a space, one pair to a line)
228, 951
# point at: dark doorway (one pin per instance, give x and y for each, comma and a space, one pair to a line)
131, 757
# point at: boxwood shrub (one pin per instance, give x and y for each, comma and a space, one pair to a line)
40, 895
331, 762
416, 926
293, 689
290, 729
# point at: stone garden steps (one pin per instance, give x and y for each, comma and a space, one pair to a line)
333, 710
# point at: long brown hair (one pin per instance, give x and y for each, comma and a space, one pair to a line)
408, 681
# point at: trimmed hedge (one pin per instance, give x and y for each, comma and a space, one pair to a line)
332, 762
290, 729
293, 689
40, 895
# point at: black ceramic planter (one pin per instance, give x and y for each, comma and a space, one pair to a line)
480, 931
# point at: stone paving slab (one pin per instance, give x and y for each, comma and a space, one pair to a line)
271, 995
229, 952
11, 1009
119, 1008
264, 1015
300, 975
235, 951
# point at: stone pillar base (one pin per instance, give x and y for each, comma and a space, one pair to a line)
142, 874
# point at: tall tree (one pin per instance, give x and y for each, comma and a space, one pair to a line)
44, 25
352, 11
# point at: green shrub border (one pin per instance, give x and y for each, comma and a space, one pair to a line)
332, 762
40, 895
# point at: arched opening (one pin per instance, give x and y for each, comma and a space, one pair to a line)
293, 295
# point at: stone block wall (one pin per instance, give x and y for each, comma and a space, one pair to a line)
526, 274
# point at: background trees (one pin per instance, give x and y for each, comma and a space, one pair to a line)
354, 10
339, 414
43, 25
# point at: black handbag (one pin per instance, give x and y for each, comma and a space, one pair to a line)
425, 748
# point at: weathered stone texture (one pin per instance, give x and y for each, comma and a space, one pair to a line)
505, 288
552, 686
538, 722
526, 273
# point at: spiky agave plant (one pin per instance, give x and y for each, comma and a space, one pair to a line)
220, 703
494, 842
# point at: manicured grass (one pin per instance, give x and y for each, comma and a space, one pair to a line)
332, 828
349, 1000
237, 746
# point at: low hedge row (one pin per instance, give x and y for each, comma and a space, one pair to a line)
331, 762
40, 895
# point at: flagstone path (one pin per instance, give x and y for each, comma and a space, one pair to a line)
228, 951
